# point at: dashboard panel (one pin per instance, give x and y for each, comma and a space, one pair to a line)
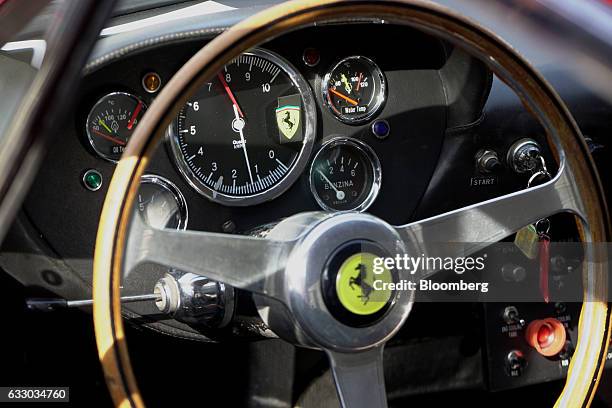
416, 110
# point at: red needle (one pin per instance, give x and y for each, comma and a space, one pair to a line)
134, 115
359, 82
229, 93
108, 137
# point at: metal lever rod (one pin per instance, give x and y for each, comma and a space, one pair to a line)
124, 299
51, 304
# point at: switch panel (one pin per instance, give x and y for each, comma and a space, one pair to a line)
529, 343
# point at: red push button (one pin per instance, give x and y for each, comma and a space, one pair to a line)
547, 336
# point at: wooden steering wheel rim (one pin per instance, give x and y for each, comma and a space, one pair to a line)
589, 357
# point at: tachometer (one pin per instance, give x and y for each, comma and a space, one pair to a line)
244, 137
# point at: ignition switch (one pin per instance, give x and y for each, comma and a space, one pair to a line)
524, 156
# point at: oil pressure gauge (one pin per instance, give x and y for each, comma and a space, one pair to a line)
345, 175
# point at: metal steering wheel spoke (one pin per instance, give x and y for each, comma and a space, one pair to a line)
479, 225
359, 378
243, 262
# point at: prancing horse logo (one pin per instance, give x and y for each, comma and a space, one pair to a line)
360, 280
288, 120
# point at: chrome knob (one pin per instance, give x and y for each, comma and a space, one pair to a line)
524, 156
487, 161
195, 299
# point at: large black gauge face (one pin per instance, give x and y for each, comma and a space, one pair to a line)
345, 175
161, 204
111, 122
354, 89
245, 136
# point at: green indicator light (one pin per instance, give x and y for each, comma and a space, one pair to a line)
92, 179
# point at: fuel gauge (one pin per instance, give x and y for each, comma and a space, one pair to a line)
345, 175
161, 204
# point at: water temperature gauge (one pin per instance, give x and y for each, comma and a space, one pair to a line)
345, 175
354, 90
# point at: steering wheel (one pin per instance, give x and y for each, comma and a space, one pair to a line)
286, 271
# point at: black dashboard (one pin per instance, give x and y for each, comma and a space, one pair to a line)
421, 77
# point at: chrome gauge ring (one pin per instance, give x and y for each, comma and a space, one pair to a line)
161, 203
245, 136
345, 175
111, 122
354, 90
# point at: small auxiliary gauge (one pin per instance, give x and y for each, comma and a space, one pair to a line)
354, 89
345, 175
161, 204
111, 122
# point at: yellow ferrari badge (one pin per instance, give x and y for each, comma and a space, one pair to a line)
355, 285
288, 120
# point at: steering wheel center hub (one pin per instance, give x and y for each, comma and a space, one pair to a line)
335, 281
354, 284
